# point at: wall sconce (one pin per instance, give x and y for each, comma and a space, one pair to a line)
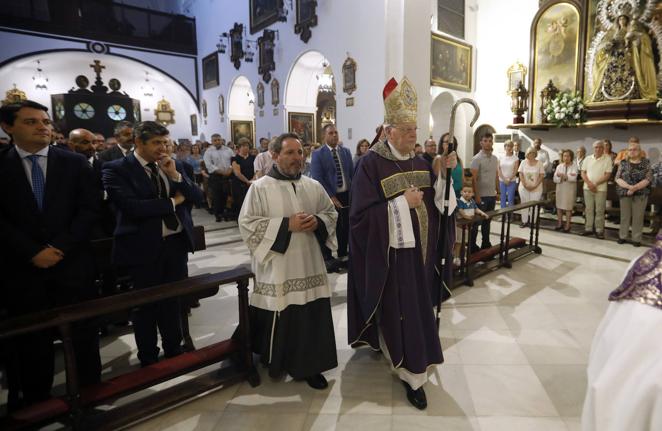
284, 7
519, 103
222, 46
249, 50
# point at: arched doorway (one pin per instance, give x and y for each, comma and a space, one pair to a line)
480, 131
310, 89
241, 110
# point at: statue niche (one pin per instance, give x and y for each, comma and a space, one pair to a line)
622, 76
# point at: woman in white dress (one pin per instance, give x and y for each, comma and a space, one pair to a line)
507, 171
565, 178
531, 174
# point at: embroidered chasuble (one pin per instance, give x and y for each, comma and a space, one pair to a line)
394, 279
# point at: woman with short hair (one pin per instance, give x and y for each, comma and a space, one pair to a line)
633, 178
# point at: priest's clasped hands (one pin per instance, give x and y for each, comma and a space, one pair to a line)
414, 197
302, 222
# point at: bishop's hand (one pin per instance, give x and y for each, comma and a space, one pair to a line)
414, 197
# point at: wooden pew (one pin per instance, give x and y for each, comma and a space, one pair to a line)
76, 408
508, 249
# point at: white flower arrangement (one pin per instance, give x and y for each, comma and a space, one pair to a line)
566, 109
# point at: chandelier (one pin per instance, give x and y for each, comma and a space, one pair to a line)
326, 81
40, 79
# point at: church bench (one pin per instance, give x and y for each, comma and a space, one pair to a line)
476, 264
76, 408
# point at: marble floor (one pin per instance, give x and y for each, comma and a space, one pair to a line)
516, 346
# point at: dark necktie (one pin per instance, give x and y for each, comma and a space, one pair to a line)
38, 181
336, 159
169, 220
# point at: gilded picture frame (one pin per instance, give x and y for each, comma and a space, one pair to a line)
451, 63
556, 52
242, 129
303, 124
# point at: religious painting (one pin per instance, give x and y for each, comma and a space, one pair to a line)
194, 124
349, 75
303, 124
555, 37
260, 95
306, 18
263, 13
275, 92
242, 129
451, 63
210, 71
623, 48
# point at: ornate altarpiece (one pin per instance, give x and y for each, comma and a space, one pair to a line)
609, 51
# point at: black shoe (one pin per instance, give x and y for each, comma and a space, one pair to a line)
600, 235
620, 241
587, 233
636, 244
485, 245
219, 218
416, 397
317, 382
557, 228
474, 248
332, 265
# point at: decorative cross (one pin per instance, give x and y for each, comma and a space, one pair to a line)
97, 68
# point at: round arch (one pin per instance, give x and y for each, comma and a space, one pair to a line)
61, 66
241, 99
303, 81
440, 114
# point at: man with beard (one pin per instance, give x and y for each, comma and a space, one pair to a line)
285, 219
124, 134
393, 279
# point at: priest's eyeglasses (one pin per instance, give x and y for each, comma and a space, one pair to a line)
407, 129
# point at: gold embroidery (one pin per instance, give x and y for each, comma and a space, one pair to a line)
398, 183
290, 286
423, 226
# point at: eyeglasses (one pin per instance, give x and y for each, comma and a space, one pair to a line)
407, 129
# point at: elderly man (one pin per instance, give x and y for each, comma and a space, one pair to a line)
124, 135
394, 268
285, 219
596, 170
264, 161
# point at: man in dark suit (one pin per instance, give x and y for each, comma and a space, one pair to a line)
124, 134
47, 208
154, 232
332, 166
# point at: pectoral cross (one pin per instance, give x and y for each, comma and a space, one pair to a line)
97, 68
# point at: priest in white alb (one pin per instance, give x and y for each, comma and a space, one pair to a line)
284, 220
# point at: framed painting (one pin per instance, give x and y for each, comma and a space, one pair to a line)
349, 75
210, 71
194, 124
555, 52
303, 124
306, 18
451, 63
242, 129
263, 13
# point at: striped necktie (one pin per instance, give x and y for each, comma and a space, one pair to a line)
336, 159
170, 220
38, 181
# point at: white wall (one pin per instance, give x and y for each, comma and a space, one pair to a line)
344, 26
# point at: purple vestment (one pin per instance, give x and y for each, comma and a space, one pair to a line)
393, 289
